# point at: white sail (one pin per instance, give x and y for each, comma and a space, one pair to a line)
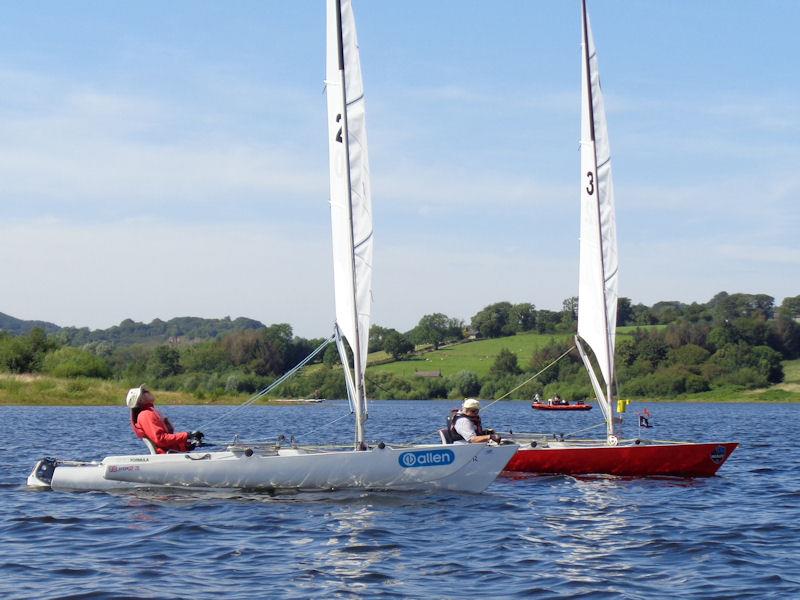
351, 206
597, 292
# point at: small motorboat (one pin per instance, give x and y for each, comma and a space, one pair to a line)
563, 405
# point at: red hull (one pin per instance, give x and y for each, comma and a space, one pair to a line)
674, 459
539, 406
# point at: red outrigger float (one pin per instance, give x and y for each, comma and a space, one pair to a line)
635, 458
546, 406
597, 319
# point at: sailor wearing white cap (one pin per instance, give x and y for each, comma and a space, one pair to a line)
465, 427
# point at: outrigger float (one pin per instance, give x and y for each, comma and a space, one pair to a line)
466, 468
259, 466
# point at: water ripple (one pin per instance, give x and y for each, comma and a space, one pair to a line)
732, 536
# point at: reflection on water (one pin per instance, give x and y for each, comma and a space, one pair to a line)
529, 536
352, 548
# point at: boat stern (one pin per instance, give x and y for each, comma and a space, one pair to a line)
42, 475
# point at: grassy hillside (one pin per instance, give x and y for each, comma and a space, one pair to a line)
476, 356
788, 391
44, 390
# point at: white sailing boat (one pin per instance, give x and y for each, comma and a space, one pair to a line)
470, 467
597, 320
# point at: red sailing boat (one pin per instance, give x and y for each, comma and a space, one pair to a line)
597, 314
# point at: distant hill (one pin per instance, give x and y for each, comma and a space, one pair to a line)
179, 329
18, 326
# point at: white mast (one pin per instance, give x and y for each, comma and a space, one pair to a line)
597, 294
351, 206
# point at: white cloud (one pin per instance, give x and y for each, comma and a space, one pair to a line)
696, 269
87, 146
765, 255
451, 188
518, 99
71, 150
98, 275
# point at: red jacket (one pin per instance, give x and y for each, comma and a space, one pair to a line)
151, 425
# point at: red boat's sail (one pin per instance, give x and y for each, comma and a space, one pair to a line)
597, 288
597, 309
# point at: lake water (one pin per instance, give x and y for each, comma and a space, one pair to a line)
736, 535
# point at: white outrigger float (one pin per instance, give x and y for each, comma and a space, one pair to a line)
465, 468
259, 466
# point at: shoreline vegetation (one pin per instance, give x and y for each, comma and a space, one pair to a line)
45, 390
733, 348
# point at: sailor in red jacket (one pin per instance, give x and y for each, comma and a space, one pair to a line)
148, 423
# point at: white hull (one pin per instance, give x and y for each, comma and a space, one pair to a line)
465, 468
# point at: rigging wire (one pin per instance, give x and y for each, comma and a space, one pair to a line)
377, 385
416, 440
595, 426
298, 436
272, 386
509, 392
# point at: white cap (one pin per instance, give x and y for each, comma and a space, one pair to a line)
133, 396
471, 403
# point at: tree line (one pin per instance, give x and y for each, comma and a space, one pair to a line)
735, 340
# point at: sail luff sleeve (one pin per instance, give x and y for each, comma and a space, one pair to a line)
598, 262
360, 187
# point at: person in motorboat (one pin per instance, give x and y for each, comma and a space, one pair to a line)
465, 426
148, 423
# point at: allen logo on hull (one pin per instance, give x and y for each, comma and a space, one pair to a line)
426, 458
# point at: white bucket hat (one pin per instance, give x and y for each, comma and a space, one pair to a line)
132, 399
471, 403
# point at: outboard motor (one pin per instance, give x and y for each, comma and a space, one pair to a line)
42, 474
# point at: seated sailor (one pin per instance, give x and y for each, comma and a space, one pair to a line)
465, 426
148, 423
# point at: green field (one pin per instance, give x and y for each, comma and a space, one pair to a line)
32, 390
476, 356
788, 391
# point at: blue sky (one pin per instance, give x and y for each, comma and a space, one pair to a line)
170, 159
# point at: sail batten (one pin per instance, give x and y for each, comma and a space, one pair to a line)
599, 267
350, 197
